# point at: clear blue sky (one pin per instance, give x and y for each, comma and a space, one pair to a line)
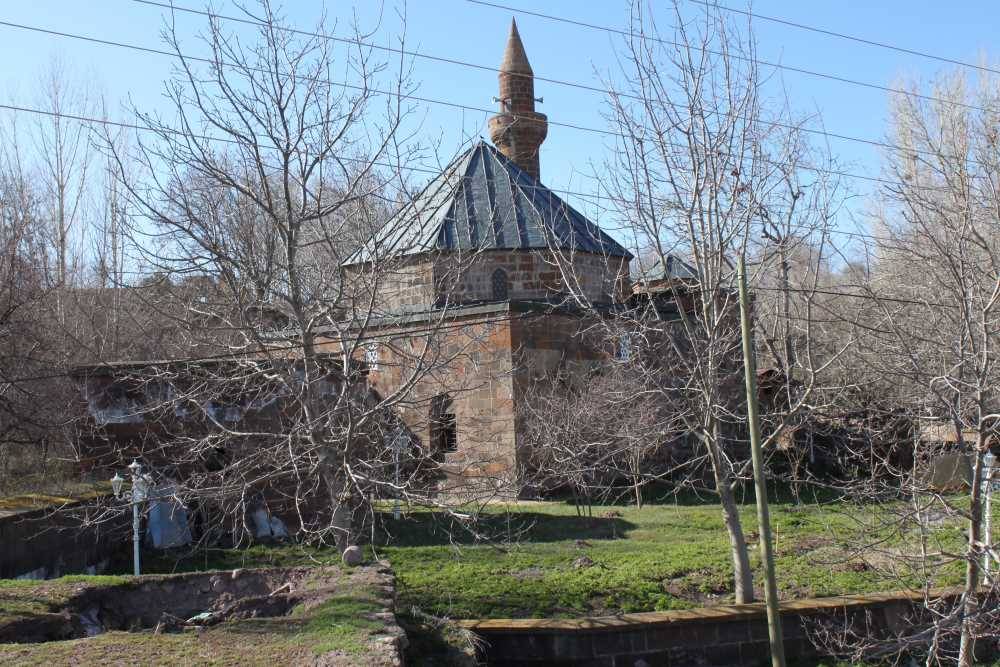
462, 30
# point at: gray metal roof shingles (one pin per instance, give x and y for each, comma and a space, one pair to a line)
484, 201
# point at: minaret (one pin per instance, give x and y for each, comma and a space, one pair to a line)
518, 131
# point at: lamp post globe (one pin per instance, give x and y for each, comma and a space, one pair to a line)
116, 484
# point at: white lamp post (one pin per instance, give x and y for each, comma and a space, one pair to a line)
140, 491
398, 444
989, 466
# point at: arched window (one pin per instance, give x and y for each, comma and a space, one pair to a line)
499, 281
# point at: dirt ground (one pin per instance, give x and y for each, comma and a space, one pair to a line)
327, 616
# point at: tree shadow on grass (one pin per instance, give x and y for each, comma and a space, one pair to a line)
421, 529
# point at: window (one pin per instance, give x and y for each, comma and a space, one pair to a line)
371, 356
447, 433
444, 429
624, 351
499, 281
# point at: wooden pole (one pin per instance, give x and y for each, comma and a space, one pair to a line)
763, 516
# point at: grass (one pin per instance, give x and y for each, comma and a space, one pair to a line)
342, 624
22, 597
655, 558
660, 557
59, 495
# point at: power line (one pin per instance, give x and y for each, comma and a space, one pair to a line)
464, 324
404, 96
755, 61
254, 355
841, 35
592, 198
561, 82
144, 128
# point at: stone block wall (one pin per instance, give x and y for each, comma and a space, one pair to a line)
424, 282
724, 636
531, 275
58, 539
468, 360
406, 285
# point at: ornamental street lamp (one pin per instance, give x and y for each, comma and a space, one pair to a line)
140, 492
398, 444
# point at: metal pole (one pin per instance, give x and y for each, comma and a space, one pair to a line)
989, 460
763, 516
135, 530
395, 506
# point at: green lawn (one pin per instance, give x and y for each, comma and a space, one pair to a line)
659, 557
656, 558
541, 560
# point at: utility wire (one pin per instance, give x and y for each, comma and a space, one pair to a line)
403, 331
425, 170
841, 35
561, 82
404, 96
255, 355
590, 197
755, 61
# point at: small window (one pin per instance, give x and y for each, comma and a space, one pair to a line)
624, 350
500, 290
447, 433
444, 429
371, 356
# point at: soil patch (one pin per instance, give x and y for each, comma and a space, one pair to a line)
300, 615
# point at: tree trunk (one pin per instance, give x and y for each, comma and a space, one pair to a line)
742, 574
970, 601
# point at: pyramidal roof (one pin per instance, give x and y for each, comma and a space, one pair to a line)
483, 201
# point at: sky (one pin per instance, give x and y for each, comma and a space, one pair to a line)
476, 33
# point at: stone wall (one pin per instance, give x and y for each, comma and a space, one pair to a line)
465, 358
406, 285
423, 282
723, 636
58, 539
484, 358
531, 275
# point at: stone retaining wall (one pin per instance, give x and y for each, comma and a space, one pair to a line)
59, 538
731, 635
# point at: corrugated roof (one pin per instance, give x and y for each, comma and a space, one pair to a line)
483, 201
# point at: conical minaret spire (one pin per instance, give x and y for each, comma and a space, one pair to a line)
518, 130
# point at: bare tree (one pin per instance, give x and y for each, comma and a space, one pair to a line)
257, 201
704, 171
24, 329
930, 317
63, 147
